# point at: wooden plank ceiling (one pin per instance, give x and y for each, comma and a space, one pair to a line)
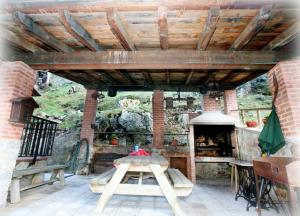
143, 45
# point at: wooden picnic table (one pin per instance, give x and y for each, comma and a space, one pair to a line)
143, 164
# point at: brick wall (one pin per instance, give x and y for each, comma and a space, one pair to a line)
89, 115
16, 80
211, 104
158, 118
288, 100
231, 104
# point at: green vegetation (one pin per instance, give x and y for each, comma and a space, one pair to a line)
60, 101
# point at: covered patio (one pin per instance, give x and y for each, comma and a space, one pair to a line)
76, 199
209, 47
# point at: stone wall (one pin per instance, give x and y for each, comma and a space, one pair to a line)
248, 144
16, 80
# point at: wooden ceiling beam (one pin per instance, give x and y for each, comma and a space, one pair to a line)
147, 77
189, 77
40, 33
254, 26
119, 30
154, 59
168, 77
209, 28
163, 27
229, 77
250, 77
96, 77
284, 38
205, 80
127, 76
19, 42
111, 79
78, 32
54, 6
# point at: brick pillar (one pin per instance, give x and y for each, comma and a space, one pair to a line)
158, 118
231, 104
211, 104
288, 100
89, 115
16, 80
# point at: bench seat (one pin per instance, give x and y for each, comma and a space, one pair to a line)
178, 179
182, 186
103, 178
15, 188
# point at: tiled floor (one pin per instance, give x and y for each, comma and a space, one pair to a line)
76, 199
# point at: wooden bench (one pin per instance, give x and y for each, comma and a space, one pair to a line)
18, 174
182, 185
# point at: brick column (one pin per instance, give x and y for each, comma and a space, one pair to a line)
89, 115
211, 104
288, 100
16, 80
231, 104
158, 118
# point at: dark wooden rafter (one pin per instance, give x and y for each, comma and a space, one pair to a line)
147, 77
168, 77
254, 26
209, 28
110, 78
19, 42
40, 33
119, 30
284, 38
128, 77
163, 27
96, 77
154, 59
250, 77
207, 78
229, 77
189, 77
33, 7
77, 31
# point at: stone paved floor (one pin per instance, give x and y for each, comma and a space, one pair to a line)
76, 199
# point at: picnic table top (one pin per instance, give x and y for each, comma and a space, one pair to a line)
143, 160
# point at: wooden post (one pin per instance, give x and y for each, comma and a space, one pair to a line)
258, 118
243, 116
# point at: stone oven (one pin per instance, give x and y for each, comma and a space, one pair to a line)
214, 139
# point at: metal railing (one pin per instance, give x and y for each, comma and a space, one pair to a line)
38, 137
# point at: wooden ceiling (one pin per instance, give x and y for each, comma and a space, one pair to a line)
143, 45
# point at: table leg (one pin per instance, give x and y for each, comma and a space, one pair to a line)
167, 189
111, 187
232, 177
236, 180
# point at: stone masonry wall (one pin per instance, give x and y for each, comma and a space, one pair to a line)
248, 145
16, 80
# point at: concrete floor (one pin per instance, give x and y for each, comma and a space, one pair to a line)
76, 199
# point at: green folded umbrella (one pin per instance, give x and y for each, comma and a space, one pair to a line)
271, 138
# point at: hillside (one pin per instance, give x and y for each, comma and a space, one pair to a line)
65, 100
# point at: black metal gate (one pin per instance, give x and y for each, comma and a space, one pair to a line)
37, 138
